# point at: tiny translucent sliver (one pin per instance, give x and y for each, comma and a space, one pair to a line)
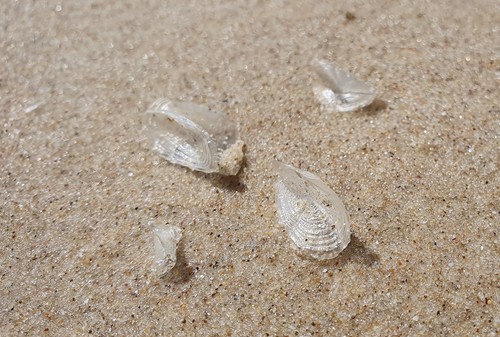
166, 240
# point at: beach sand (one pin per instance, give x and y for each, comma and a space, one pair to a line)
417, 170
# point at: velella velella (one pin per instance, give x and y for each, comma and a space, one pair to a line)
194, 136
341, 91
313, 215
166, 240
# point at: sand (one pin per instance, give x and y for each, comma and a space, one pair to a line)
417, 170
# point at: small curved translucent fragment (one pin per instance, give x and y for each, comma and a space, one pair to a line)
340, 90
193, 136
313, 215
166, 241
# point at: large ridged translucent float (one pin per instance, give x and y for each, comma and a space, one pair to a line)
194, 136
313, 215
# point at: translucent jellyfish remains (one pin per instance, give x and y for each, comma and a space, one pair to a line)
313, 215
194, 136
166, 240
340, 91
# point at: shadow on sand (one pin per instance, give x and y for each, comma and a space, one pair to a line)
355, 252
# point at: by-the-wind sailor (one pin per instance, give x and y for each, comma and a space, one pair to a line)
166, 240
313, 215
194, 136
340, 90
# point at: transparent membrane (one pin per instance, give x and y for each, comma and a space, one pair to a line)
340, 91
191, 135
313, 215
166, 241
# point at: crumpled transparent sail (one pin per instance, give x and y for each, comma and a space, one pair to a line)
166, 240
194, 136
313, 215
340, 90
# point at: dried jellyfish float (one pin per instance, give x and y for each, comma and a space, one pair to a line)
340, 90
194, 136
313, 215
166, 240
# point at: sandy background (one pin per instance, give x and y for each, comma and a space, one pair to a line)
418, 172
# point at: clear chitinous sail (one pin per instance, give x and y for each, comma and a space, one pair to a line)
191, 135
313, 215
166, 240
341, 91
